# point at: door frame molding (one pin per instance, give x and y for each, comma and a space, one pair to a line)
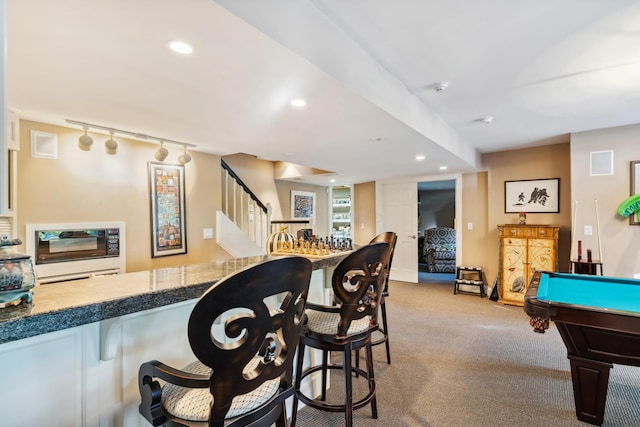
458, 200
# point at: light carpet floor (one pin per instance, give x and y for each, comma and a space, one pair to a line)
459, 360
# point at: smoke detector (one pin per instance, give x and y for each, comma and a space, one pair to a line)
486, 120
440, 86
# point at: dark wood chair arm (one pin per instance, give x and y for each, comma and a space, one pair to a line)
155, 369
151, 390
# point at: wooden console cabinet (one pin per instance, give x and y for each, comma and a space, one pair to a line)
523, 250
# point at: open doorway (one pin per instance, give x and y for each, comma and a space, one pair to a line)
436, 231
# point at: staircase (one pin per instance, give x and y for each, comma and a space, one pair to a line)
244, 224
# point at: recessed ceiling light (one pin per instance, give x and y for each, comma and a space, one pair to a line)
180, 47
298, 102
420, 157
444, 168
332, 180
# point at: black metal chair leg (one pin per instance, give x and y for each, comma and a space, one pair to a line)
297, 383
325, 363
348, 387
383, 309
372, 381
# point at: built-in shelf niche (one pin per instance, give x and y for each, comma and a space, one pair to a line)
341, 211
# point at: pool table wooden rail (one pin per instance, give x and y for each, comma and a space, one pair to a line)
595, 339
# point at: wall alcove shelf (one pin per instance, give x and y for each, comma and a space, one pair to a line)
341, 211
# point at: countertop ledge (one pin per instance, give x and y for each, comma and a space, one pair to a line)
64, 305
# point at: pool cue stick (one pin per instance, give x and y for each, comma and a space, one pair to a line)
598, 225
573, 224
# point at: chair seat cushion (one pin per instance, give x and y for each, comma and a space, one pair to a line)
194, 403
326, 323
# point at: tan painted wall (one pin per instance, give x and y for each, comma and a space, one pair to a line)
474, 211
320, 226
620, 241
93, 186
87, 186
551, 161
364, 212
257, 174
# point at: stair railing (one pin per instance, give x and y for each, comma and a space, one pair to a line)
244, 208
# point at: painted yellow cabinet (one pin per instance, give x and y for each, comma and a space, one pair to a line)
524, 249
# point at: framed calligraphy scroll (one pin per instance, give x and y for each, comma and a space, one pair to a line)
532, 196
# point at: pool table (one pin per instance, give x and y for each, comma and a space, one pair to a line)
598, 318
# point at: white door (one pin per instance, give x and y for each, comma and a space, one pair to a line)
400, 214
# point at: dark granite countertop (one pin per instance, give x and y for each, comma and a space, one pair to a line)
63, 305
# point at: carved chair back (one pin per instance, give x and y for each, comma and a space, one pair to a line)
233, 324
388, 237
358, 282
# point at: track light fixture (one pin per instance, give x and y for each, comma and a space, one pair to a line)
161, 153
85, 140
111, 144
185, 157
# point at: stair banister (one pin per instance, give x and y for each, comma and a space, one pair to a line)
263, 215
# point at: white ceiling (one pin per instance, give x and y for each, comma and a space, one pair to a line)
367, 68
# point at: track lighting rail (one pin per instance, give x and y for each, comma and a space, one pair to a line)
137, 135
111, 145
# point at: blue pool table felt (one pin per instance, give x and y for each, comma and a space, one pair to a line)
591, 291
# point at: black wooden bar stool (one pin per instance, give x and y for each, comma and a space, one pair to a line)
388, 237
357, 283
244, 371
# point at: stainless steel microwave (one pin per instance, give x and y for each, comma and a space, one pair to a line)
60, 245
76, 250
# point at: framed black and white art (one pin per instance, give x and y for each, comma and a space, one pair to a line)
532, 196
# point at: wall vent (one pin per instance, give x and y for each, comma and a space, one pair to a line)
601, 163
44, 145
6, 226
